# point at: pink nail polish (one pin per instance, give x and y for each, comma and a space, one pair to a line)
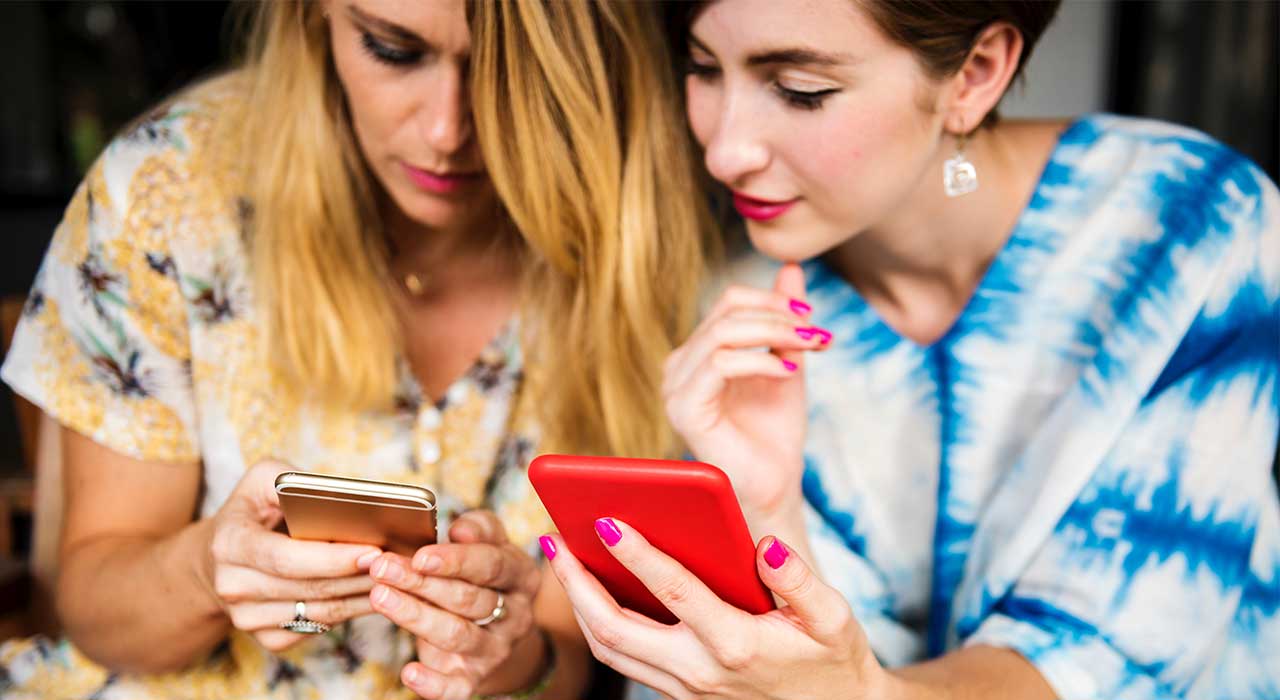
789, 365
608, 531
824, 336
800, 308
804, 333
548, 547
776, 555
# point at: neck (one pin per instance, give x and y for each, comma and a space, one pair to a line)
445, 258
935, 250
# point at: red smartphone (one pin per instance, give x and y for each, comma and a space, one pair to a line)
686, 509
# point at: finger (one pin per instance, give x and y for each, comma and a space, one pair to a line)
270, 614
703, 391
687, 597
429, 683
503, 567
278, 640
237, 584
817, 606
459, 597
790, 282
255, 488
282, 556
438, 627
748, 330
744, 297
624, 631
634, 669
478, 526
441, 661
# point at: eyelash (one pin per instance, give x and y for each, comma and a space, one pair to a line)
794, 98
387, 54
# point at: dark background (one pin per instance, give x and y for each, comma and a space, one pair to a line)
72, 73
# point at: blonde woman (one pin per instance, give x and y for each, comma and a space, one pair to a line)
329, 260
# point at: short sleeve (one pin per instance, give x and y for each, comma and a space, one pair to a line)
102, 346
1137, 592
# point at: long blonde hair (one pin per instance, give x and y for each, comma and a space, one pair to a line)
584, 141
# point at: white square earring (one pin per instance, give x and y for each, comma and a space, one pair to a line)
958, 174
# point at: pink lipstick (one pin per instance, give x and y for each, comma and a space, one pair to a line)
440, 183
760, 209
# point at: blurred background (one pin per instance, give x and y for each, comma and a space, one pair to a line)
73, 73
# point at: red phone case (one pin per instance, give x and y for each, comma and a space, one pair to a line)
686, 509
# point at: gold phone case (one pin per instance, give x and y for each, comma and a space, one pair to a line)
396, 517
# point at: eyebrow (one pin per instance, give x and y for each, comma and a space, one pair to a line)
383, 25
787, 56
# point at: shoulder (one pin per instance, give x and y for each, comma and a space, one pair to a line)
172, 174
1179, 168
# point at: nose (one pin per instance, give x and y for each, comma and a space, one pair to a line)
445, 118
736, 148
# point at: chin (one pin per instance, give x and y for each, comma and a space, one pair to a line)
786, 244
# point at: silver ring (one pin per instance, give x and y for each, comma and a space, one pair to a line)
301, 624
499, 612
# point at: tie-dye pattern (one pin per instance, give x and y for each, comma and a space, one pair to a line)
1080, 468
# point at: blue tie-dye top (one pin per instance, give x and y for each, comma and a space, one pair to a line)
1080, 469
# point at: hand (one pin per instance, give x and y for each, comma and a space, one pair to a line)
810, 648
744, 410
257, 574
439, 594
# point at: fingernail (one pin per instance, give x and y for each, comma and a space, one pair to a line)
426, 563
776, 555
824, 336
805, 333
789, 365
412, 676
800, 308
608, 531
386, 598
389, 571
548, 547
367, 558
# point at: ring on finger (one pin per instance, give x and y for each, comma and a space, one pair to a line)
301, 623
499, 612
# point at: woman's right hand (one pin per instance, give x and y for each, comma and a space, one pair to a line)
741, 409
257, 574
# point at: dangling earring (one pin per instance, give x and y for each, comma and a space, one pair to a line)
958, 174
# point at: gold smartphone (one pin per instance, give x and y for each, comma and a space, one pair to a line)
396, 517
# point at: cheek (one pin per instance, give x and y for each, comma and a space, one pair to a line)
702, 106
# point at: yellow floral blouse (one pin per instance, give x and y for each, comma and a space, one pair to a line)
140, 333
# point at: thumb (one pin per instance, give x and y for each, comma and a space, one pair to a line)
814, 604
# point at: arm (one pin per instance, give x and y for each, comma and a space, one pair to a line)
134, 588
145, 589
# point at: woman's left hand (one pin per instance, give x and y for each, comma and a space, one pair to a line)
440, 594
811, 647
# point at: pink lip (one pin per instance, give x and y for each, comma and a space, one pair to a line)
440, 183
760, 209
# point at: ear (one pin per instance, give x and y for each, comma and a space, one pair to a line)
985, 75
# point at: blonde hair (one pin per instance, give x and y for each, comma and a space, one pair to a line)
582, 136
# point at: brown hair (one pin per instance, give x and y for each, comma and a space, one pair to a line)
939, 32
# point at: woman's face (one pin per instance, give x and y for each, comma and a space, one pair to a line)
403, 67
820, 125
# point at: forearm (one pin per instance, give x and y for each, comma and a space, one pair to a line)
972, 673
141, 605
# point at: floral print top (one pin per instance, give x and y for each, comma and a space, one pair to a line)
140, 333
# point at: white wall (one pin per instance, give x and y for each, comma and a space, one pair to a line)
1069, 69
